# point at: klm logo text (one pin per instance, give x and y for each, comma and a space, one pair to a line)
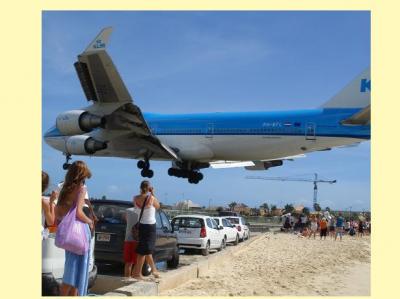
365, 85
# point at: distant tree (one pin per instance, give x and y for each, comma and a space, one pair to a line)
306, 211
289, 208
317, 207
264, 206
232, 205
220, 209
273, 208
244, 205
103, 197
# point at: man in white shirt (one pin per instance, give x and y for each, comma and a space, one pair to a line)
130, 244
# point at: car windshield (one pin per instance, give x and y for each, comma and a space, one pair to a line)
233, 220
110, 213
187, 222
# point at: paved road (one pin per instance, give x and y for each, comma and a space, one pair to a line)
186, 258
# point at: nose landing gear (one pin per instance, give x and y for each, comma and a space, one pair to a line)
144, 165
66, 165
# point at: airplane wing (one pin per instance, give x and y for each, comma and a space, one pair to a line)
253, 165
103, 85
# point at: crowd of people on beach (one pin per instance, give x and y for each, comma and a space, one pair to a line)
63, 213
325, 224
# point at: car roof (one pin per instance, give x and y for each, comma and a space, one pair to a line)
112, 201
193, 216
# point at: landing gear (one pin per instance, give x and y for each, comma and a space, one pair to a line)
194, 177
144, 165
66, 165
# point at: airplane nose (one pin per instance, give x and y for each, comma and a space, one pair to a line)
55, 139
52, 132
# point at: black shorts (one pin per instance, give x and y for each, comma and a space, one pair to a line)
147, 239
323, 232
332, 228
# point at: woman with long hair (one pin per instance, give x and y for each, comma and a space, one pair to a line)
72, 194
147, 229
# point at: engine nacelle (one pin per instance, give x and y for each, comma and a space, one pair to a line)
75, 122
83, 145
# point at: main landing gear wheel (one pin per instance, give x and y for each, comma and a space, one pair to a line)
145, 167
195, 177
147, 173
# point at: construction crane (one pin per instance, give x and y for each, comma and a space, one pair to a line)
315, 181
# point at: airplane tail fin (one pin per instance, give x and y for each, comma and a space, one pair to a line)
101, 40
356, 94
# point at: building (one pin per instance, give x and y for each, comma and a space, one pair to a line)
242, 209
187, 204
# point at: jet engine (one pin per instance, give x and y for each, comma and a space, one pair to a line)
75, 122
83, 145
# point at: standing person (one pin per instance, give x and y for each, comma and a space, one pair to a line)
323, 225
347, 226
130, 244
48, 214
314, 227
287, 225
304, 220
72, 194
332, 227
360, 228
147, 229
339, 226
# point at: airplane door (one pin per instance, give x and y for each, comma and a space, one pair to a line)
210, 130
310, 131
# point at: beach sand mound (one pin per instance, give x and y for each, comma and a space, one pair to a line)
285, 264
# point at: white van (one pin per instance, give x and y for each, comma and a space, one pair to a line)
198, 232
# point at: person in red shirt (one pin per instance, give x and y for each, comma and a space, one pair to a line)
323, 225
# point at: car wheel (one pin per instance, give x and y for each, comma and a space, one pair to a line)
146, 270
174, 262
224, 243
236, 240
206, 251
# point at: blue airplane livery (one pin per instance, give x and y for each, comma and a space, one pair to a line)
113, 125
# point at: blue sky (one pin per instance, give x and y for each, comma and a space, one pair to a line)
178, 62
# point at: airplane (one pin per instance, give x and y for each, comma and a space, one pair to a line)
113, 125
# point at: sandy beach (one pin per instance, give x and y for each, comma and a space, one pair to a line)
285, 264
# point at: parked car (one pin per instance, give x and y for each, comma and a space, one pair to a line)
228, 229
53, 260
227, 213
110, 234
198, 232
242, 227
